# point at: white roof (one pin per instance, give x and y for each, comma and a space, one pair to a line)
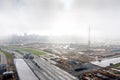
107, 62
24, 72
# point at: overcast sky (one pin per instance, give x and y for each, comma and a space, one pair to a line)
61, 17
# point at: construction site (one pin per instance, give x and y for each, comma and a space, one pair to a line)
61, 61
58, 64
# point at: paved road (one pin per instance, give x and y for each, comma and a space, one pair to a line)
46, 71
35, 70
54, 72
41, 74
3, 58
17, 55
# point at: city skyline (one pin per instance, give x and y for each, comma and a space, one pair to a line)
61, 18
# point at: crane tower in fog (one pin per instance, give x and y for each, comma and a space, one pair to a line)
89, 36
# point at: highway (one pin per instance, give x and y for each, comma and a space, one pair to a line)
34, 69
3, 58
17, 55
54, 72
23, 70
41, 74
39, 69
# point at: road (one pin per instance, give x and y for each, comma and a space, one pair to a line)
41, 74
41, 69
54, 72
3, 58
17, 55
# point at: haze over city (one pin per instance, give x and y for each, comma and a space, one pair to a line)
61, 18
59, 40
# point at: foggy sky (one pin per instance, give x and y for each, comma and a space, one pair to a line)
61, 17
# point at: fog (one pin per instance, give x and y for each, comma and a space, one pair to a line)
61, 18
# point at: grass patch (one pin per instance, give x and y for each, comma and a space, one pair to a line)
116, 65
8, 55
33, 51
